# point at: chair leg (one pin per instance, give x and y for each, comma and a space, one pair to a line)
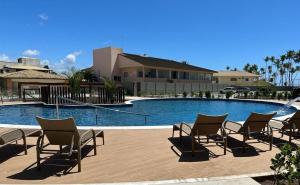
103, 138
173, 132
271, 142
244, 141
180, 137
25, 145
225, 146
79, 159
60, 148
95, 145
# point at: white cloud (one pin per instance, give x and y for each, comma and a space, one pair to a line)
4, 57
68, 62
45, 62
71, 58
43, 17
31, 52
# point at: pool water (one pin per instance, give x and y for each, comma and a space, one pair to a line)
160, 111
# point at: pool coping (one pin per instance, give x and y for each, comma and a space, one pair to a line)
130, 102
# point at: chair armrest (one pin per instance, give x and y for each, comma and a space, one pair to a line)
82, 136
186, 124
233, 126
277, 124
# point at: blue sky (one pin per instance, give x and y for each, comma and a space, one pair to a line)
207, 33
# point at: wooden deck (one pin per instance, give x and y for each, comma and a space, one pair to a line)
138, 155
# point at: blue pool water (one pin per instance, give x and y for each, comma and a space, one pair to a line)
161, 112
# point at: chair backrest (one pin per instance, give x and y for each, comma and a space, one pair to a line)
257, 122
208, 124
59, 131
295, 119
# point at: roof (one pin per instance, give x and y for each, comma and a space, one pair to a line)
165, 63
31, 74
257, 83
29, 68
234, 74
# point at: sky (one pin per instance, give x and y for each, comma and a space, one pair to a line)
207, 33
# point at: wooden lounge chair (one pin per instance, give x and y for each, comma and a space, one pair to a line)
290, 126
255, 125
205, 125
14, 135
63, 132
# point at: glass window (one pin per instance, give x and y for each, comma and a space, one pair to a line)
184, 75
140, 74
233, 79
174, 74
194, 76
201, 76
150, 73
163, 73
125, 74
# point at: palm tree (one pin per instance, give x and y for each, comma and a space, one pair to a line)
110, 88
75, 78
262, 72
270, 70
266, 60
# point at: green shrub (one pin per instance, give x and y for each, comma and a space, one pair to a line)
251, 94
273, 94
200, 94
192, 94
256, 94
279, 96
286, 165
184, 94
208, 94
246, 94
228, 94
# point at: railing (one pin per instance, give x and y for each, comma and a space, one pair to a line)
96, 108
95, 94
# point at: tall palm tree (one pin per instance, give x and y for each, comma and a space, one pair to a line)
266, 61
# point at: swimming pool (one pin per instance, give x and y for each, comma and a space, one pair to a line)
160, 111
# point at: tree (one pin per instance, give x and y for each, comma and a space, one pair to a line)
110, 88
75, 78
89, 75
251, 68
227, 68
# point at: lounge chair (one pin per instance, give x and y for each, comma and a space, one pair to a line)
290, 126
63, 132
255, 125
14, 135
205, 125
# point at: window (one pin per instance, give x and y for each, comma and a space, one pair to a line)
246, 79
125, 74
233, 79
150, 73
194, 76
174, 74
140, 74
117, 78
184, 75
163, 74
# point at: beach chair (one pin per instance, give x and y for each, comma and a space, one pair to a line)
289, 126
207, 126
14, 135
256, 125
63, 132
